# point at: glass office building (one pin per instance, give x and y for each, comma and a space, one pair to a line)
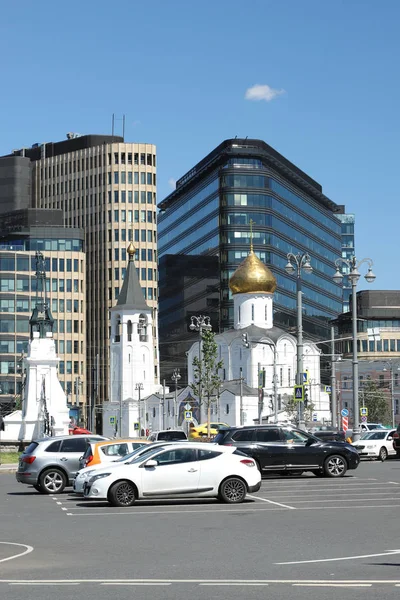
204, 234
348, 251
24, 233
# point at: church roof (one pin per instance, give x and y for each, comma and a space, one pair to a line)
254, 333
131, 295
234, 388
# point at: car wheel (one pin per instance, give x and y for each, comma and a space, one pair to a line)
52, 481
233, 490
383, 454
122, 494
335, 466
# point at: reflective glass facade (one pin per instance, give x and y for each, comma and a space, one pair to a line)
348, 251
207, 219
66, 291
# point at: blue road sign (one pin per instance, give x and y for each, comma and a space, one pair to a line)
304, 377
328, 389
344, 412
315, 417
299, 392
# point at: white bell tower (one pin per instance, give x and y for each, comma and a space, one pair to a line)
132, 375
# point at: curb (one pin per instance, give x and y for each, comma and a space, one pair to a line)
7, 471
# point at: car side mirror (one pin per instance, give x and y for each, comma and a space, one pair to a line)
150, 464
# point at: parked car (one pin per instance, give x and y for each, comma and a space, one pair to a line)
371, 426
109, 450
85, 473
328, 433
198, 431
50, 464
75, 430
169, 435
376, 444
285, 449
396, 441
192, 469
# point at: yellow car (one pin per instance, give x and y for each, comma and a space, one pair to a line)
201, 430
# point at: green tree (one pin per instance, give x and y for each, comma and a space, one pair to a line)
374, 398
206, 369
291, 407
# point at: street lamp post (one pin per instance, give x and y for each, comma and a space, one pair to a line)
175, 378
138, 388
392, 398
354, 276
200, 324
301, 262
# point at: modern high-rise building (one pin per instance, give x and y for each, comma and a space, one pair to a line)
23, 233
108, 188
348, 251
204, 234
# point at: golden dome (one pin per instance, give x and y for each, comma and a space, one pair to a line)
252, 276
131, 249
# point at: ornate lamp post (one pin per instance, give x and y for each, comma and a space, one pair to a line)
176, 376
301, 263
354, 275
200, 324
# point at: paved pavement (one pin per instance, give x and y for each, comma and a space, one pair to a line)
295, 537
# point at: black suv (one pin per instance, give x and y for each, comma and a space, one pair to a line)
396, 441
284, 449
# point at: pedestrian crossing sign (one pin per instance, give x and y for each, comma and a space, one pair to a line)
298, 392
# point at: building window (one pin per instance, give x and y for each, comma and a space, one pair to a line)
252, 312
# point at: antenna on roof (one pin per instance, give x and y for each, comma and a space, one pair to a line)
113, 124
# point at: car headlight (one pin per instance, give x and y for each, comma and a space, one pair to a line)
100, 476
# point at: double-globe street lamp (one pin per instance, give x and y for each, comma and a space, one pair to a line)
200, 323
354, 275
302, 262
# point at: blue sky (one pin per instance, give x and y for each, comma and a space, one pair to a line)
179, 70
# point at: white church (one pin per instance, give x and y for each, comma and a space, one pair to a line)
269, 350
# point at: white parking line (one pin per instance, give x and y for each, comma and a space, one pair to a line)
270, 501
340, 558
27, 550
135, 583
336, 585
344, 500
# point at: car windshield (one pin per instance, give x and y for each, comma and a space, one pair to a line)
146, 455
374, 435
130, 455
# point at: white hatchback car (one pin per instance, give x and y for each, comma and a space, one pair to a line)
191, 470
86, 473
376, 444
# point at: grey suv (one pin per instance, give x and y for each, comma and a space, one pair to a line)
50, 464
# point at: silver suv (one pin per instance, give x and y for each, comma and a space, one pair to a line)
50, 464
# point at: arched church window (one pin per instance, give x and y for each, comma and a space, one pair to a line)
239, 314
227, 409
117, 331
252, 312
142, 328
129, 328
154, 412
129, 357
284, 350
144, 358
266, 312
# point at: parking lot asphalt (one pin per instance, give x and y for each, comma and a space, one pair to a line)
297, 534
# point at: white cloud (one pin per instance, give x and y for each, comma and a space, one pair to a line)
172, 182
262, 92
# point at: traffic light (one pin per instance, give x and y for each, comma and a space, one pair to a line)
305, 398
245, 340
